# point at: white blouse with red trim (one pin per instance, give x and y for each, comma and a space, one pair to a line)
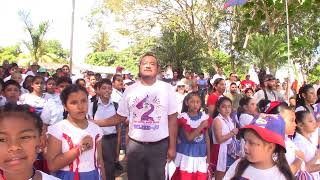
188, 124
71, 137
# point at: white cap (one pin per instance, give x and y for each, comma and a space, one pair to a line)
180, 83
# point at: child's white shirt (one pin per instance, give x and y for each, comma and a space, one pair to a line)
252, 173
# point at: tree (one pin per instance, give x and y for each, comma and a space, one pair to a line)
10, 53
267, 51
313, 76
35, 45
127, 58
181, 50
54, 52
100, 42
224, 31
106, 58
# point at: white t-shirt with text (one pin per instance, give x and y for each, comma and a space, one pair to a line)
147, 109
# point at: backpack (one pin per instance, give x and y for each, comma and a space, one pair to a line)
95, 106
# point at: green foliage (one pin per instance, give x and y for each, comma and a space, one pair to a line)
100, 42
55, 47
127, 58
106, 58
35, 45
231, 38
267, 51
181, 50
10, 53
313, 75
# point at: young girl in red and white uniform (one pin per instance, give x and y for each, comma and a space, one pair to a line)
193, 148
74, 144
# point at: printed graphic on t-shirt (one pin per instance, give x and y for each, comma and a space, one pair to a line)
147, 113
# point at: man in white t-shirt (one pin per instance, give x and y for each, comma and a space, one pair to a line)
151, 107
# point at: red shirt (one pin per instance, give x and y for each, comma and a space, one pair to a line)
247, 84
213, 98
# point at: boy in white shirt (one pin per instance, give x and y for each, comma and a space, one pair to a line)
99, 109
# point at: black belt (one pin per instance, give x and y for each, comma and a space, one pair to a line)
108, 136
151, 143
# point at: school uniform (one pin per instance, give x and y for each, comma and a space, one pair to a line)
109, 139
52, 112
309, 149
85, 166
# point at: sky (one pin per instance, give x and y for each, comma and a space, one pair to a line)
58, 12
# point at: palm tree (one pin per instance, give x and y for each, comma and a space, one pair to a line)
35, 45
267, 51
100, 42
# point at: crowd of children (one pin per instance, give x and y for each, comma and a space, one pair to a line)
237, 131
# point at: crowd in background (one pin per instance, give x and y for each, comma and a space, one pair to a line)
210, 127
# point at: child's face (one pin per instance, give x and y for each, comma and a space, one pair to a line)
289, 118
225, 108
12, 93
37, 85
105, 91
292, 102
249, 94
251, 108
194, 104
310, 96
17, 77
77, 105
256, 150
82, 83
308, 124
51, 86
92, 80
118, 83
62, 86
19, 140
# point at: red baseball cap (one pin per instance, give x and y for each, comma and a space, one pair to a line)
119, 68
270, 128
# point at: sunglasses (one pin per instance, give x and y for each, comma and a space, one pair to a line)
180, 86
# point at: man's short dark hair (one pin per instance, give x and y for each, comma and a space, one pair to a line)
11, 82
115, 77
63, 79
103, 81
90, 73
80, 79
233, 84
148, 54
